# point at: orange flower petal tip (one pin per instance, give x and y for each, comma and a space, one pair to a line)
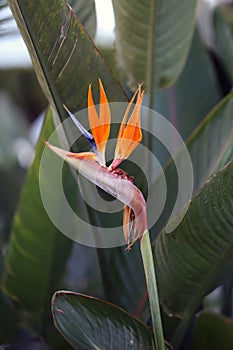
130, 133
99, 124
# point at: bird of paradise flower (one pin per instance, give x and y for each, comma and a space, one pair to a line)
112, 179
118, 183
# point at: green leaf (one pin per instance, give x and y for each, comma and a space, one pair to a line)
85, 10
65, 59
210, 145
210, 148
223, 42
89, 323
189, 259
37, 251
213, 332
152, 39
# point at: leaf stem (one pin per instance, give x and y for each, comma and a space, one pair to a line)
149, 269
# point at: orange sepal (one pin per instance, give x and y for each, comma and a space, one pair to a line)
130, 133
100, 125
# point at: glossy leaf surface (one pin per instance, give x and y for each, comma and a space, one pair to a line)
89, 323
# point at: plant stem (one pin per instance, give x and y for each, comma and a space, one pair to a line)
149, 269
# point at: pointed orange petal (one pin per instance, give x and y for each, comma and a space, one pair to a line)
92, 115
133, 129
105, 115
130, 134
100, 125
104, 118
123, 123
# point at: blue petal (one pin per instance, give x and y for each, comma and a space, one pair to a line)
88, 136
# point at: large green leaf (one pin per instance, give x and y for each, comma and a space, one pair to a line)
188, 260
65, 59
89, 323
37, 251
152, 39
213, 332
209, 146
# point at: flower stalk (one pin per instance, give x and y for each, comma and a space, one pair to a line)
149, 269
